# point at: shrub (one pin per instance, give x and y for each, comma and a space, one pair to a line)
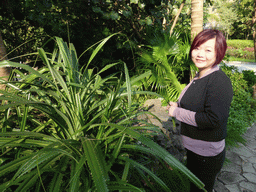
240, 44
250, 77
242, 109
88, 138
239, 53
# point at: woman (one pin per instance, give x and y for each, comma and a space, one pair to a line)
203, 109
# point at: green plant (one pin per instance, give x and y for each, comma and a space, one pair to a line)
250, 77
240, 44
159, 57
77, 131
242, 109
239, 53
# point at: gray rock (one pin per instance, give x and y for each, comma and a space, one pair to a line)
220, 187
172, 139
254, 165
243, 151
233, 188
232, 167
250, 177
229, 178
233, 157
248, 168
248, 186
252, 159
250, 133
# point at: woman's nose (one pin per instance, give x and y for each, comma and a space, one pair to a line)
200, 53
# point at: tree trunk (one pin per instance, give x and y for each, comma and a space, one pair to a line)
254, 40
196, 17
177, 16
4, 71
254, 29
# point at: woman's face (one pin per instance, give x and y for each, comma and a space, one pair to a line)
204, 56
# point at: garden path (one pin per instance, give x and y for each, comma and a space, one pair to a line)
243, 65
239, 175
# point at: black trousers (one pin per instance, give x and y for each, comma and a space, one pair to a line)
205, 168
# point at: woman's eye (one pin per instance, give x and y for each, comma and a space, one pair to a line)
208, 50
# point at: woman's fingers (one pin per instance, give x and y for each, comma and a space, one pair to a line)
174, 104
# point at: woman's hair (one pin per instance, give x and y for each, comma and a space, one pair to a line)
220, 45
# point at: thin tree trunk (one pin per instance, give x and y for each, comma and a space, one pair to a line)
254, 30
4, 71
164, 24
196, 17
177, 16
254, 40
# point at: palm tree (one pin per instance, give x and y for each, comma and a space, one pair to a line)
4, 71
196, 17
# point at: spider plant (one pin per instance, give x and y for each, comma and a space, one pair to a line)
77, 130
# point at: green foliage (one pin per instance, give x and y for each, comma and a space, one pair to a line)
223, 17
239, 53
239, 49
83, 23
165, 57
243, 25
243, 107
240, 44
250, 77
75, 130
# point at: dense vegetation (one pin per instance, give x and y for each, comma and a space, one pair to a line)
66, 128
71, 125
240, 44
243, 107
240, 50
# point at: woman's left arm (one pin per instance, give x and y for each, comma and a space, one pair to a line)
216, 107
217, 103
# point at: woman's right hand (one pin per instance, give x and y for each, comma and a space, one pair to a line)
171, 107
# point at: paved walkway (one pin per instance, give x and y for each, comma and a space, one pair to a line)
242, 65
239, 175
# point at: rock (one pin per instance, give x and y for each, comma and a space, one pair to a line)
171, 128
229, 178
248, 186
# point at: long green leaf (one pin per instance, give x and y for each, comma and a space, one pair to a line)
140, 166
55, 185
94, 162
102, 43
7, 63
161, 152
129, 89
123, 186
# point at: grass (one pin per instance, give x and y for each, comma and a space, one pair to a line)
240, 50
239, 43
241, 59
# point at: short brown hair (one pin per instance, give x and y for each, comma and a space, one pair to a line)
220, 45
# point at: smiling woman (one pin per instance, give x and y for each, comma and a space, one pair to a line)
203, 109
208, 41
